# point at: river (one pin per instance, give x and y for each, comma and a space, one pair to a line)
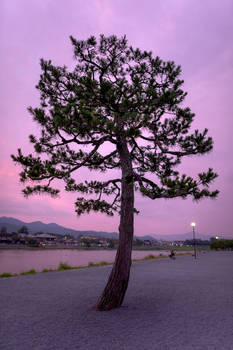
17, 261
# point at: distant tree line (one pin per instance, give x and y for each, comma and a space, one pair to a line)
23, 230
90, 241
199, 242
223, 244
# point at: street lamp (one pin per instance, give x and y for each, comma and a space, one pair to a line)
193, 224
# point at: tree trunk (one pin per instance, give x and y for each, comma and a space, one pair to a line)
114, 292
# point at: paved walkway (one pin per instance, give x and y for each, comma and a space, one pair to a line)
181, 304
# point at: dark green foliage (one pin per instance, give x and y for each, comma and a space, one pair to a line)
3, 231
138, 242
149, 257
24, 230
45, 270
29, 272
114, 92
111, 243
221, 244
199, 242
64, 266
15, 237
6, 274
32, 242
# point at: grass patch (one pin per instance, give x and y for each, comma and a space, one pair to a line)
6, 274
29, 272
45, 270
48, 270
64, 266
149, 257
101, 263
162, 256
181, 254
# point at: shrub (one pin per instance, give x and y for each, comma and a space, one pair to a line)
64, 266
6, 274
45, 270
29, 272
149, 257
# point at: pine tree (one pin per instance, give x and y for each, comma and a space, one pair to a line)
3, 231
23, 230
125, 97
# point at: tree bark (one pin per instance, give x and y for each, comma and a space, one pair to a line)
114, 292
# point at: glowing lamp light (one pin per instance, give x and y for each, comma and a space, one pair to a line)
193, 224
217, 237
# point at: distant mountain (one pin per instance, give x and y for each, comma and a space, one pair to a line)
13, 225
150, 238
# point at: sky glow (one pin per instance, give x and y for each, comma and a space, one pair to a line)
194, 34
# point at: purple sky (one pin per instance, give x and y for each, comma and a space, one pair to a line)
195, 34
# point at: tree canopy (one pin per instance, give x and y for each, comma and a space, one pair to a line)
221, 244
23, 229
114, 90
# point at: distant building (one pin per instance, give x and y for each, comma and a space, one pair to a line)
147, 242
6, 239
46, 238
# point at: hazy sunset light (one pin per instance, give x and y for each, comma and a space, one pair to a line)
194, 34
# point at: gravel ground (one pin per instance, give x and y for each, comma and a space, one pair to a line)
181, 304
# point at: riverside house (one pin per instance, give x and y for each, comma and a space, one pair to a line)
45, 238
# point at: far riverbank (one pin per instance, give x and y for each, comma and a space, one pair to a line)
68, 247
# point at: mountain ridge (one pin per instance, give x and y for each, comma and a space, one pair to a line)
13, 225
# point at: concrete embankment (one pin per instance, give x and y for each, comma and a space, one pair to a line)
181, 304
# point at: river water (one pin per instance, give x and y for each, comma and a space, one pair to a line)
17, 261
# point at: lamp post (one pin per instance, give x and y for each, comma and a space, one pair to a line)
193, 224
